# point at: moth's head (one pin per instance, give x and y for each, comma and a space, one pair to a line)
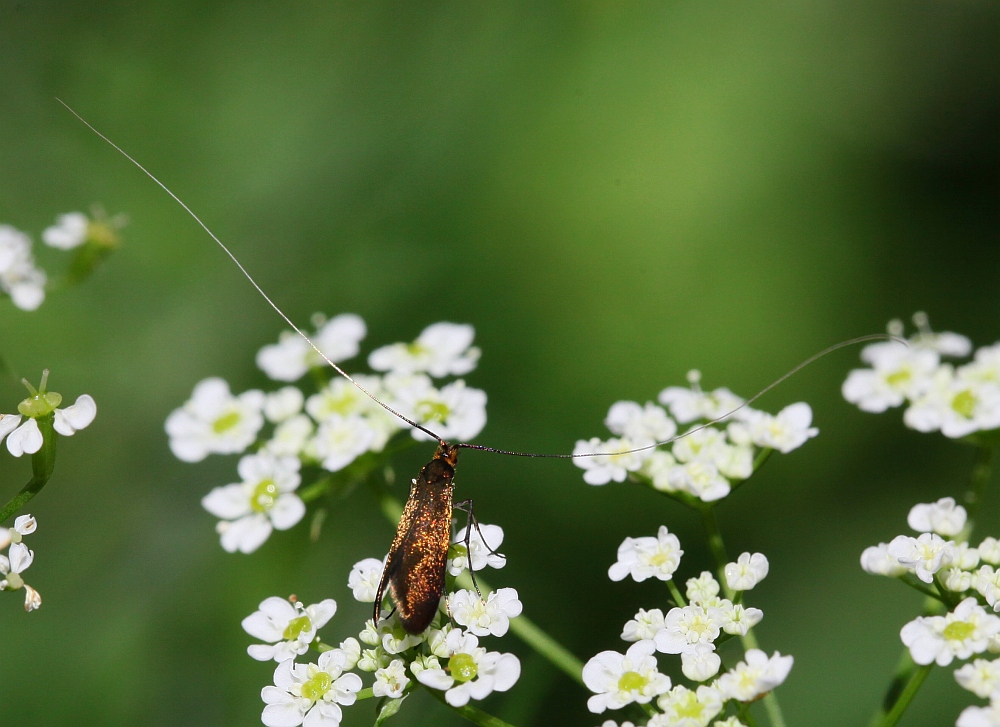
447, 452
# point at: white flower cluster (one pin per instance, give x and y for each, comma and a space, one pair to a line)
27, 438
955, 400
702, 464
691, 630
445, 657
962, 575
20, 277
17, 560
328, 429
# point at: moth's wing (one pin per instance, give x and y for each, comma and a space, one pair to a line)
417, 579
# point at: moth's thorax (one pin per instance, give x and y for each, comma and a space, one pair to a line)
441, 469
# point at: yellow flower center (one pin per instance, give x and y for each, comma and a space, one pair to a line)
463, 667
632, 681
964, 403
317, 686
959, 630
690, 707
433, 411
226, 422
264, 496
898, 378
296, 626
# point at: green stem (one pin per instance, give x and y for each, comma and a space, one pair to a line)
919, 585
758, 462
982, 469
718, 548
42, 463
678, 598
745, 716
474, 715
916, 679
529, 632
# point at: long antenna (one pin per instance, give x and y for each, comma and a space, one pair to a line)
249, 277
425, 430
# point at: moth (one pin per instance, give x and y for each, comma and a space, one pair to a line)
414, 572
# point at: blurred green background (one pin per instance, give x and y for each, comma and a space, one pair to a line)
611, 193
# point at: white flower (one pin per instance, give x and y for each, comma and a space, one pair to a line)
479, 551
69, 231
8, 423
23, 525
989, 551
341, 397
876, 560
958, 580
683, 707
310, 694
965, 631
19, 278
644, 625
648, 557
729, 722
702, 590
985, 367
483, 618
364, 579
981, 677
442, 349
786, 431
635, 422
965, 557
699, 445
987, 582
898, 372
685, 627
735, 618
613, 461
746, 572
264, 499
926, 555
290, 437
473, 672
373, 659
32, 599
26, 439
75, 417
942, 517
455, 412
288, 627
340, 440
980, 716
11, 569
390, 681
701, 479
756, 676
657, 467
955, 406
612, 723
617, 679
687, 405
291, 356
352, 652
390, 636
284, 403
734, 462
213, 421
700, 663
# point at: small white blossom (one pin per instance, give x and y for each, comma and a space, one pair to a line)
945, 343
985, 367
657, 467
965, 631
955, 406
980, 716
613, 461
287, 626
729, 722
263, 500
19, 278
786, 431
23, 525
987, 582
926, 554
747, 571
283, 404
341, 397
291, 357
737, 619
390, 681
455, 412
291, 437
687, 405
958, 580
483, 618
473, 672
734, 461
310, 694
75, 417
648, 557
756, 676
700, 663
441, 349
391, 636
683, 707
701, 479
644, 625
701, 445
364, 579
876, 560
965, 557
69, 231
683, 628
636, 422
11, 569
989, 551
703, 589
374, 659
8, 423
213, 421
898, 372
981, 677
612, 723
340, 440
618, 679
352, 652
26, 439
482, 553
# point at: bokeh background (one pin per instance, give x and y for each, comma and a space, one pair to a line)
611, 193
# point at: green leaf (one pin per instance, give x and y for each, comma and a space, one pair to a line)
387, 708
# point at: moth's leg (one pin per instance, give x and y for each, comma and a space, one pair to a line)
466, 506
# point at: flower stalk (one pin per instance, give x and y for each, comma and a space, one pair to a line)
42, 463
